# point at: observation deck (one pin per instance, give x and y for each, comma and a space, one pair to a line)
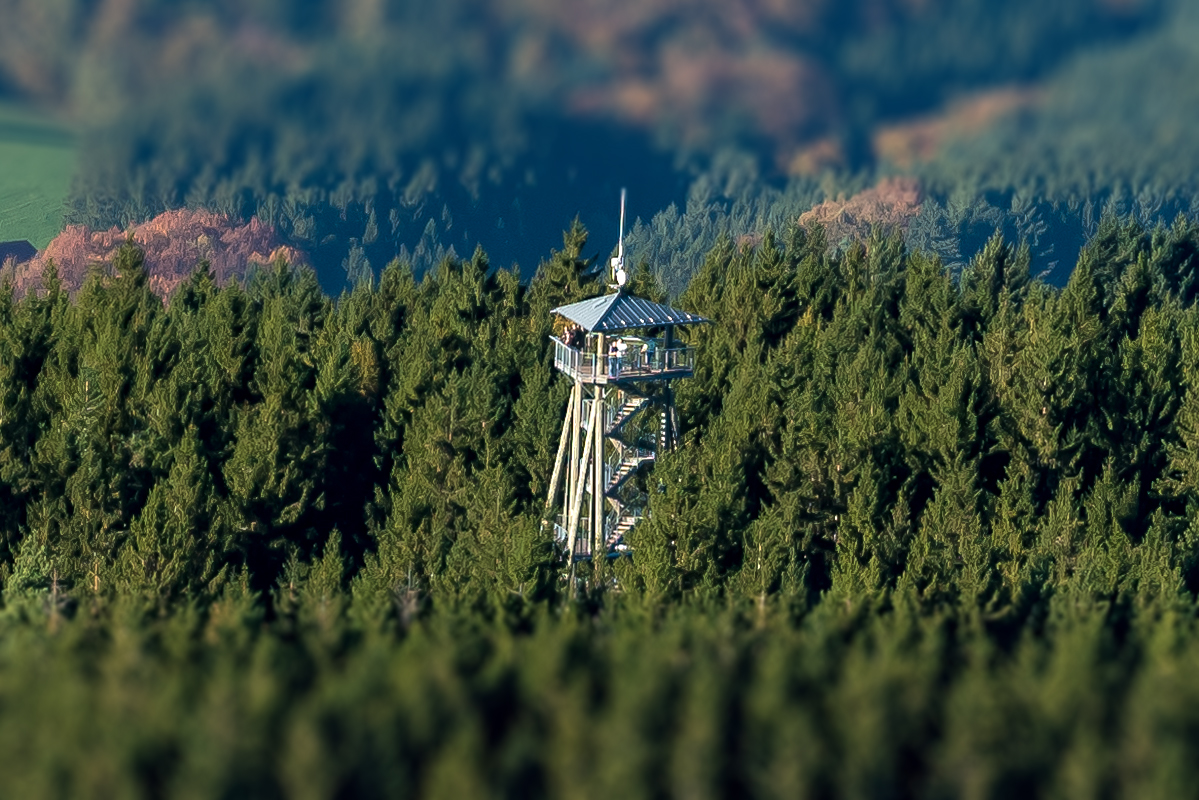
643, 360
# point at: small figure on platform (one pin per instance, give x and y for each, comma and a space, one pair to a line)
622, 349
613, 360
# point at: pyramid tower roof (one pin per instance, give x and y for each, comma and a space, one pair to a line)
621, 311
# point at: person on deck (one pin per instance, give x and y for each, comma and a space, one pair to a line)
613, 360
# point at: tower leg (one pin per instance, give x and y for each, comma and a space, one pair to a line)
597, 495
576, 505
670, 421
562, 442
669, 431
575, 425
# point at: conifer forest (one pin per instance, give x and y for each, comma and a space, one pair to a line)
280, 409
925, 536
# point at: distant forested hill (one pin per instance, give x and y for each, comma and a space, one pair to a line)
368, 130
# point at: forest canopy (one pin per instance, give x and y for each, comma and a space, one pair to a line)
927, 533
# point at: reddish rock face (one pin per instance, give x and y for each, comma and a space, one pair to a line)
889, 205
174, 243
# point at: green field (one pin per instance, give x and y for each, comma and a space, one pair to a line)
37, 160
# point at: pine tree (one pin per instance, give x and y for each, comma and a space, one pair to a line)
275, 472
177, 546
565, 277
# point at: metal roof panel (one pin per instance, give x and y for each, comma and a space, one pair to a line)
621, 311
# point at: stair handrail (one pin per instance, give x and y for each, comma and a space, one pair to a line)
616, 420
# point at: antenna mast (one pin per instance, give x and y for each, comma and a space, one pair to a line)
619, 276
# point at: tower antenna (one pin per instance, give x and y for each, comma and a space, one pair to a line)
619, 276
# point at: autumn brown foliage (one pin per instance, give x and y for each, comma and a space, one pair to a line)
890, 205
174, 243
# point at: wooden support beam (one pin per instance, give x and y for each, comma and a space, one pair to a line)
597, 492
597, 437
668, 432
669, 421
576, 505
576, 424
562, 442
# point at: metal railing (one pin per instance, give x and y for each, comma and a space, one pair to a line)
644, 358
572, 361
632, 457
582, 542
612, 522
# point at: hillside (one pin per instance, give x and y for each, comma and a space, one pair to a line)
360, 141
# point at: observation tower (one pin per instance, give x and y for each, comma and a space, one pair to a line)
621, 353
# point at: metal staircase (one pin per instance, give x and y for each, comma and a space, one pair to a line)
629, 457
617, 532
632, 459
632, 405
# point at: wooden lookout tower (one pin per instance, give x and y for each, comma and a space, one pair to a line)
620, 414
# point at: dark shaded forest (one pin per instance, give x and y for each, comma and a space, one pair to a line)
928, 534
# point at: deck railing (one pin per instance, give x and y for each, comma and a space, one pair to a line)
572, 361
644, 358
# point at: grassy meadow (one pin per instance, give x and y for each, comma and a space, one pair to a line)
37, 160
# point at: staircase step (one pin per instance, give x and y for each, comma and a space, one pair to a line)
626, 412
626, 469
625, 525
